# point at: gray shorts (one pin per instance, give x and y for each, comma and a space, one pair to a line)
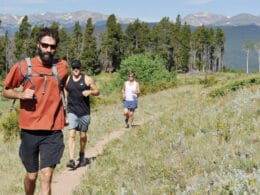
78, 123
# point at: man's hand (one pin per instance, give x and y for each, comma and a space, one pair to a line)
86, 93
27, 94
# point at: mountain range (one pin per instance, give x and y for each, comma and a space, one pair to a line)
237, 28
68, 19
199, 19
11, 22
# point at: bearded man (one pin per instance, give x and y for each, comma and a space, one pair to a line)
41, 114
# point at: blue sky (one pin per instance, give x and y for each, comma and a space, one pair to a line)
149, 10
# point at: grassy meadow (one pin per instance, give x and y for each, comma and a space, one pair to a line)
185, 141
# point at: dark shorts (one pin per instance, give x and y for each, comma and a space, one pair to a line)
40, 149
130, 104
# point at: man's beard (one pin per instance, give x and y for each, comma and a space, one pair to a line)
46, 58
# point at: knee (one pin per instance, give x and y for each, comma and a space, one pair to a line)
46, 175
72, 136
32, 177
131, 114
83, 136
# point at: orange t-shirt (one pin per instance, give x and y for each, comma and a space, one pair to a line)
46, 112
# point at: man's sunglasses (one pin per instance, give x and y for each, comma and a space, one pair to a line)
46, 46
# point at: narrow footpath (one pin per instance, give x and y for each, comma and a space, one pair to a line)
67, 180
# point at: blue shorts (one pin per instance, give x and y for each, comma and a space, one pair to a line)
40, 148
78, 123
130, 104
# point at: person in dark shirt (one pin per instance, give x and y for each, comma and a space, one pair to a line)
78, 89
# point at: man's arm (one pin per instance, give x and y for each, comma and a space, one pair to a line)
13, 94
93, 87
65, 90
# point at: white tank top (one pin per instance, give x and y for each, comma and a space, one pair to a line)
130, 91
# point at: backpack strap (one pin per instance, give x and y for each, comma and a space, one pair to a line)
29, 67
26, 77
56, 76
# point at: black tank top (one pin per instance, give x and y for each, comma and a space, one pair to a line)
77, 103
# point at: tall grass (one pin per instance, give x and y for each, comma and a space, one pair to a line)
185, 142
192, 145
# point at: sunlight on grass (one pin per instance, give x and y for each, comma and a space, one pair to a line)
184, 142
192, 144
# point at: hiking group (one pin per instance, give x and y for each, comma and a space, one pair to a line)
45, 109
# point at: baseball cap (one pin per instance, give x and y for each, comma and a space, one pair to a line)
76, 64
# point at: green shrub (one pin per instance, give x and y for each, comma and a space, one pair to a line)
112, 85
9, 126
147, 68
234, 86
209, 81
155, 87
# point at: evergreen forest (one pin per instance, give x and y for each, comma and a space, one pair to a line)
180, 48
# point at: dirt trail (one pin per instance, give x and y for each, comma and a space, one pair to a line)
68, 179
64, 182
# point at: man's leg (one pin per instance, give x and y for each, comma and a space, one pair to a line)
29, 154
73, 124
83, 142
46, 178
83, 128
72, 135
29, 183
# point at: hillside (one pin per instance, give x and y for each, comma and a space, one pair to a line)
184, 141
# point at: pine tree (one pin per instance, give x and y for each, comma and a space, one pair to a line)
185, 38
63, 46
32, 44
161, 41
219, 53
2, 51
89, 52
201, 43
76, 42
111, 45
136, 38
22, 39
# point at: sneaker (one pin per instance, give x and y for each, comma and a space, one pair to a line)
83, 162
130, 126
126, 122
71, 164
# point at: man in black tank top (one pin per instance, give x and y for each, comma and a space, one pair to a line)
78, 89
